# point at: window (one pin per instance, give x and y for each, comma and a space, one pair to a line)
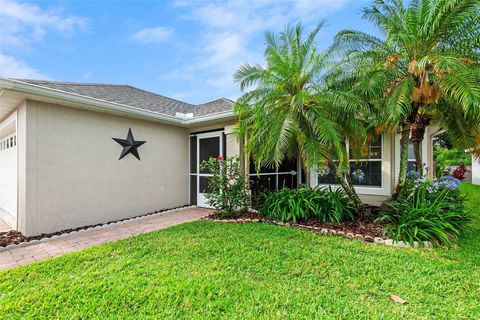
411, 157
288, 174
371, 167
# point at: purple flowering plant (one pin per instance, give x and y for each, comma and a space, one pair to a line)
427, 209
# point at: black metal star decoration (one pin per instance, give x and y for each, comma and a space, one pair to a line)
129, 145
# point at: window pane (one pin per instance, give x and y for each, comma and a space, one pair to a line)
411, 166
263, 169
204, 184
209, 148
287, 181
193, 154
327, 178
193, 190
377, 142
288, 165
411, 154
375, 152
261, 184
372, 173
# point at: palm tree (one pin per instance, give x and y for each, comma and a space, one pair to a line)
427, 59
286, 113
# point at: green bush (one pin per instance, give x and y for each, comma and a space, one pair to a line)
302, 204
449, 157
431, 210
228, 187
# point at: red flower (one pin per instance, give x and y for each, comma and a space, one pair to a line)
219, 158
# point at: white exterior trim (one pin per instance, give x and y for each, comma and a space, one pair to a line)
59, 96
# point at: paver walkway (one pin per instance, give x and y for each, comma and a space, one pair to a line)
78, 241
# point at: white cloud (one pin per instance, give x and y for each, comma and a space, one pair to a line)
13, 68
152, 35
24, 23
229, 29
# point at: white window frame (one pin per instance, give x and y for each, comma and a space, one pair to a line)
360, 188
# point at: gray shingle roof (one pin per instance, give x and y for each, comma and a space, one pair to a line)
134, 97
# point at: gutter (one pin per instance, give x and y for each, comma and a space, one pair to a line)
102, 105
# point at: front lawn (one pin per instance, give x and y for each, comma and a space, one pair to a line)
213, 270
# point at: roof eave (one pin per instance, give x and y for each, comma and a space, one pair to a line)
102, 105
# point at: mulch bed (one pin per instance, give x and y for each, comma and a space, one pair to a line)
16, 237
365, 226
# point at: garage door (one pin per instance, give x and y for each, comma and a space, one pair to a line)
8, 179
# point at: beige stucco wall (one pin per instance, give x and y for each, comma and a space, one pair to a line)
72, 175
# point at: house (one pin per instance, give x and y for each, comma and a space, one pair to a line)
76, 154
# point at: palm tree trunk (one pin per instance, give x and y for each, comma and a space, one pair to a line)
402, 177
348, 188
418, 133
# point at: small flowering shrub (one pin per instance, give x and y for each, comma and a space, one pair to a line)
427, 209
459, 171
228, 187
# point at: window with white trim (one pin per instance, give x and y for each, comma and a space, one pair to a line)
370, 167
411, 157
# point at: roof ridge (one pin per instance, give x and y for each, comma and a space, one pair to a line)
74, 83
219, 99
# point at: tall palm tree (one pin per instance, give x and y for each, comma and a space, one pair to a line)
285, 113
428, 57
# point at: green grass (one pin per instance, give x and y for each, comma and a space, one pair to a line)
252, 271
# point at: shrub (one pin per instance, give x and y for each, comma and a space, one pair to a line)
449, 157
459, 171
228, 187
302, 204
430, 210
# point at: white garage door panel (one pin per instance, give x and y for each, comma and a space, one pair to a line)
8, 177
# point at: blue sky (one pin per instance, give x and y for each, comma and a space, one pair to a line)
187, 50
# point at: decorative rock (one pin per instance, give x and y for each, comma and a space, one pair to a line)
324, 231
359, 236
427, 244
341, 233
333, 232
368, 239
400, 244
416, 245
378, 240
389, 242
350, 235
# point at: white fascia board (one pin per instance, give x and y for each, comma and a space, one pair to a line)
102, 105
220, 116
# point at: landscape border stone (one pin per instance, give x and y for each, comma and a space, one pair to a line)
332, 232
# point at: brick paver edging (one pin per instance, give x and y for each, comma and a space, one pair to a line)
332, 232
103, 226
